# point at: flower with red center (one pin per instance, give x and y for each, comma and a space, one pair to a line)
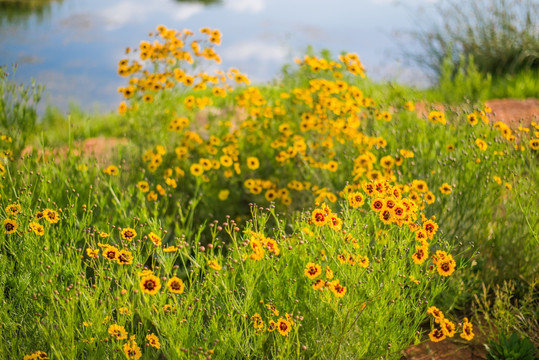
421, 254
118, 332
467, 330
430, 228
111, 253
447, 266
356, 199
128, 234
334, 222
153, 340
132, 350
156, 239
319, 284
436, 335
319, 217
399, 212
175, 285
385, 216
362, 261
124, 257
337, 289
436, 313
448, 327
150, 284
421, 236
312, 270
377, 205
51, 216
283, 326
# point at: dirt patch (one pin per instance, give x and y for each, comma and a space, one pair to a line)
514, 112
447, 350
99, 148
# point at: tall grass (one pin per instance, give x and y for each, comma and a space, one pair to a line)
501, 36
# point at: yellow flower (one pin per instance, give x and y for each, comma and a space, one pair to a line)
37, 228
283, 326
312, 270
223, 194
214, 265
156, 239
93, 253
445, 189
467, 330
481, 144
131, 350
337, 289
196, 169
409, 105
175, 285
118, 332
51, 216
253, 163
150, 284
111, 170
13, 209
10, 226
128, 234
143, 186
437, 335
153, 340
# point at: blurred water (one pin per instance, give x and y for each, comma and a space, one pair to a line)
73, 46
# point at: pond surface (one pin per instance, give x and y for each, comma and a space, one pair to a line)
73, 46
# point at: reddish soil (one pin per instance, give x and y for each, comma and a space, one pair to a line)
511, 111
99, 148
448, 349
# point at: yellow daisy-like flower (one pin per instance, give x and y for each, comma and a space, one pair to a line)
445, 189
467, 330
356, 199
111, 253
93, 253
437, 335
156, 239
482, 145
128, 234
196, 169
132, 350
124, 257
312, 270
51, 216
223, 194
253, 163
150, 284
283, 326
337, 289
153, 340
37, 228
214, 265
13, 209
143, 186
111, 170
118, 332
175, 285
10, 226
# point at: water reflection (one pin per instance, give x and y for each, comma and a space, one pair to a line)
75, 47
13, 12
